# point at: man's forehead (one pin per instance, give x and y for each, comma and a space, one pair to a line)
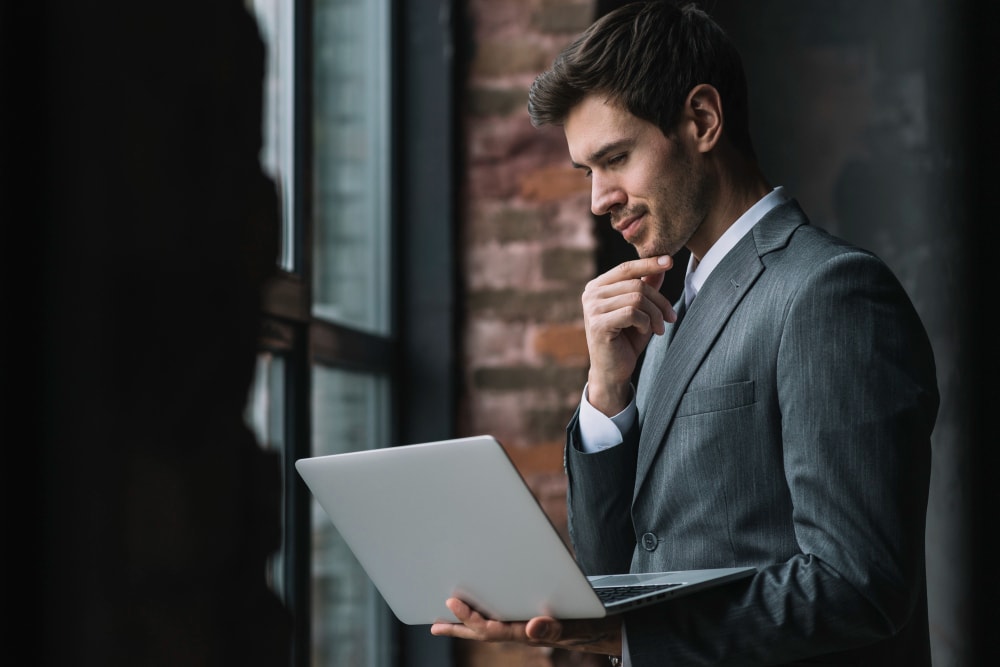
596, 123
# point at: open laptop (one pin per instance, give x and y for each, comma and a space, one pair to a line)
455, 518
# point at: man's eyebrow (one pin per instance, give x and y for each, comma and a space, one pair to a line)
602, 152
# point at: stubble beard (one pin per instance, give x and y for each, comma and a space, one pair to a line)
663, 235
667, 232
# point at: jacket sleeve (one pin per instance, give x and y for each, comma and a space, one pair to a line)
599, 499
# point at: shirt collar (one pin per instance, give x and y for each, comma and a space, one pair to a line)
698, 272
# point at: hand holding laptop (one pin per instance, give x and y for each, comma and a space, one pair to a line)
600, 635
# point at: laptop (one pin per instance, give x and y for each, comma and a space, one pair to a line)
454, 517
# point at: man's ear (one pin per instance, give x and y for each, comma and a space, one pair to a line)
704, 107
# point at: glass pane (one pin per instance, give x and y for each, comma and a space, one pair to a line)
275, 20
351, 163
351, 625
265, 414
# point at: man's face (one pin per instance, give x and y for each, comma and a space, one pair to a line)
649, 184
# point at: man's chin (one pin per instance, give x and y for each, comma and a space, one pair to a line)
645, 251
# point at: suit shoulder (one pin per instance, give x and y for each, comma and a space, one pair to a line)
787, 227
814, 245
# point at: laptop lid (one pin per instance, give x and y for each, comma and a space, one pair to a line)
454, 518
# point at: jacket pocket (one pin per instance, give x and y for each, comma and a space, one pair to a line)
714, 399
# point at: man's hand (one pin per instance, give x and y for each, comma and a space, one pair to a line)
622, 309
599, 635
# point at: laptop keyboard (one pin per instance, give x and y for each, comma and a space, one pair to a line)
619, 593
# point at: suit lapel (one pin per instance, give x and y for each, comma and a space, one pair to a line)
673, 359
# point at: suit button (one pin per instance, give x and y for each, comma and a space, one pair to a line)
649, 542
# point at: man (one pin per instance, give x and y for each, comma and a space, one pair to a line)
784, 407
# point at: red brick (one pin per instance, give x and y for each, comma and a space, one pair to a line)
541, 458
562, 343
562, 16
568, 265
553, 182
512, 55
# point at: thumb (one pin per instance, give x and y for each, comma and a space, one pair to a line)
543, 629
655, 280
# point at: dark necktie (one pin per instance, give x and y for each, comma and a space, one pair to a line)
680, 309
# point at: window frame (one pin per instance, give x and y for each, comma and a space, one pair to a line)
419, 352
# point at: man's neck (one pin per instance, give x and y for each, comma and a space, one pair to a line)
738, 187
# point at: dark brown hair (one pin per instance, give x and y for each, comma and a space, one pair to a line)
647, 56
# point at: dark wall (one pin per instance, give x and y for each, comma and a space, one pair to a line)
138, 232
879, 118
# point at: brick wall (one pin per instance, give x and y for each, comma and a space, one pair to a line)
527, 244
528, 248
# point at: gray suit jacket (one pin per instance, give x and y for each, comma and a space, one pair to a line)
784, 424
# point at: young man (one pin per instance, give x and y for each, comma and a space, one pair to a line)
784, 406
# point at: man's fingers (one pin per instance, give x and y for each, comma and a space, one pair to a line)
459, 608
641, 275
627, 313
473, 625
621, 306
466, 614
640, 268
636, 269
654, 280
597, 293
596, 635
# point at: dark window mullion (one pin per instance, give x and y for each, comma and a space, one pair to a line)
297, 528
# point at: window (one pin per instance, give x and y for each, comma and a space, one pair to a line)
350, 624
350, 287
351, 160
338, 367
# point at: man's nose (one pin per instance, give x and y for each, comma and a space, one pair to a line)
604, 195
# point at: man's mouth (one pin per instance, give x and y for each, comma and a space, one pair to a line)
629, 226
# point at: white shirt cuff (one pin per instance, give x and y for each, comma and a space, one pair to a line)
598, 431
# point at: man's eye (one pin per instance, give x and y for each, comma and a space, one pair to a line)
616, 159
